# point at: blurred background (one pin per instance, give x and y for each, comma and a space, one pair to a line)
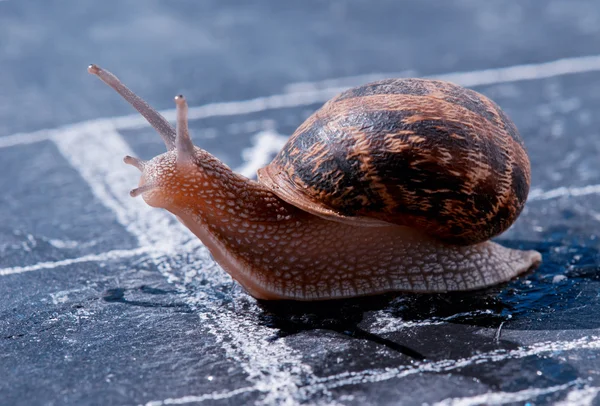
232, 50
91, 310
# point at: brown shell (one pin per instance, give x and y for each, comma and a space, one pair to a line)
422, 153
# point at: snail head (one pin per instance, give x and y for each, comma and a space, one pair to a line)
165, 177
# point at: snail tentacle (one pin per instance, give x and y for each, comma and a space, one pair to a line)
156, 120
183, 142
133, 161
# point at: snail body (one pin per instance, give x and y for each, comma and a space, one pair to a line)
396, 185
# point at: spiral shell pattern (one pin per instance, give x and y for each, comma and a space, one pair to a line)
420, 153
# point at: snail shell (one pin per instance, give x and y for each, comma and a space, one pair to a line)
420, 153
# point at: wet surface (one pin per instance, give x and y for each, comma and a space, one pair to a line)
107, 301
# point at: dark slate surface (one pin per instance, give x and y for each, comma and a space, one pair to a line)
106, 301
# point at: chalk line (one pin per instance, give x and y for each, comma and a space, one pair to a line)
272, 367
580, 397
346, 81
97, 152
265, 144
539, 194
201, 398
309, 93
316, 95
448, 365
102, 257
518, 73
480, 77
502, 398
27, 138
386, 323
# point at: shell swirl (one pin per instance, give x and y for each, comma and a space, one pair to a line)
414, 152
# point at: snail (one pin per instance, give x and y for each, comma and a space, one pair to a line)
396, 185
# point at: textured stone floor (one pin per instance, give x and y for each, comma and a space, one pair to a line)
107, 301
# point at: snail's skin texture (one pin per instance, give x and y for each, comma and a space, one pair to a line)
281, 244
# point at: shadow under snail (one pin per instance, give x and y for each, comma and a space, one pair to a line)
396, 185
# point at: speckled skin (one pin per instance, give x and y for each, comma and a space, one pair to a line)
390, 182
422, 153
277, 251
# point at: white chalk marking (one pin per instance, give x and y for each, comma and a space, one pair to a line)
312, 94
386, 323
26, 138
538, 194
266, 144
502, 398
67, 244
97, 153
234, 108
448, 365
103, 257
595, 215
580, 397
345, 81
63, 295
518, 73
201, 398
272, 367
492, 76
275, 369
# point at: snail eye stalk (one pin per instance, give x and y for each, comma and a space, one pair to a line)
183, 142
142, 189
133, 161
156, 120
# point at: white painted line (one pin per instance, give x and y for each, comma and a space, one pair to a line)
386, 323
448, 365
346, 81
103, 257
234, 108
594, 214
266, 144
247, 126
517, 73
502, 398
26, 138
538, 194
492, 76
580, 397
315, 95
311, 93
97, 152
201, 398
